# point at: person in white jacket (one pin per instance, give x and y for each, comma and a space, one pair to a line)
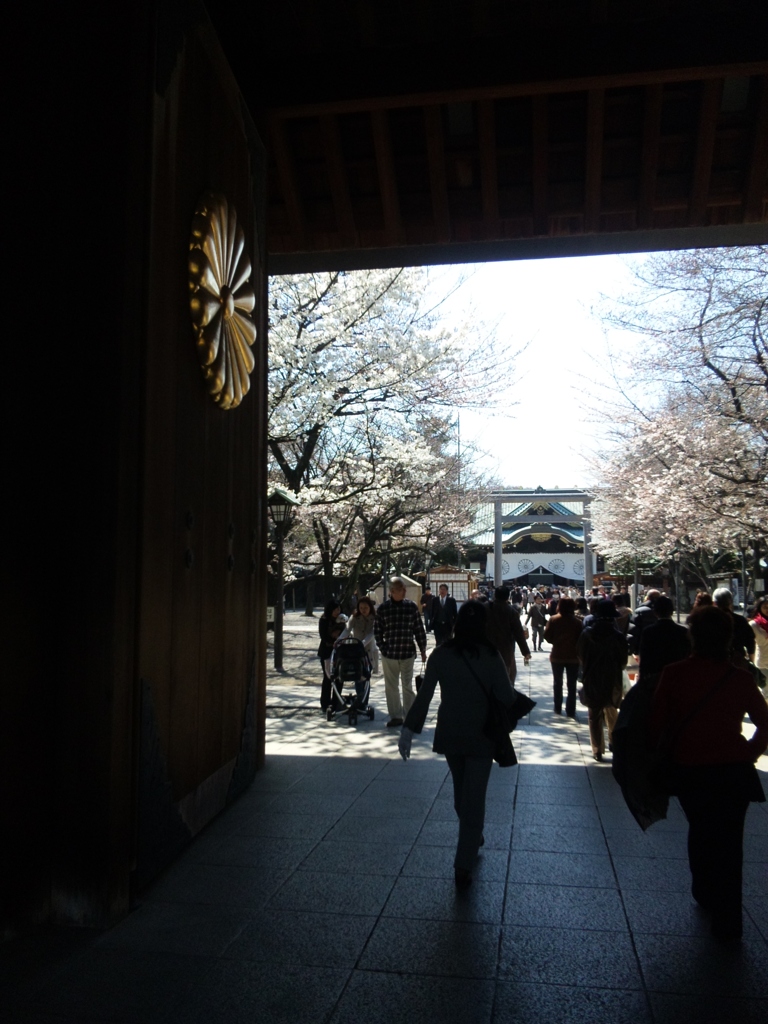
360, 627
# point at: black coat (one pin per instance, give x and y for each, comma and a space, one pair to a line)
442, 617
662, 643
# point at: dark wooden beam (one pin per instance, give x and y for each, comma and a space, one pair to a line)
528, 88
288, 187
337, 178
649, 157
433, 124
540, 166
754, 191
594, 168
711, 93
390, 201
489, 173
658, 239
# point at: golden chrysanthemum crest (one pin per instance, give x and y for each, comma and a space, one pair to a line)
221, 300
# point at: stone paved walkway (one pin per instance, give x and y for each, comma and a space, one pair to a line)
324, 895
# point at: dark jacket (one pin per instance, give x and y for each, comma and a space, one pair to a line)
538, 613
662, 643
464, 699
644, 616
504, 630
603, 655
442, 617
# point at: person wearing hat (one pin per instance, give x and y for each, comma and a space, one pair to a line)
602, 651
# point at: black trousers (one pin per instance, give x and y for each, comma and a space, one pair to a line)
470, 782
572, 677
715, 800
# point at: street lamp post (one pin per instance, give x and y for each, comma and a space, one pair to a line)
280, 504
742, 542
676, 557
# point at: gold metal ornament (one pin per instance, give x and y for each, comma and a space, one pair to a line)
221, 300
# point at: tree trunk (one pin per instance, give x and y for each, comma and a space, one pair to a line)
310, 608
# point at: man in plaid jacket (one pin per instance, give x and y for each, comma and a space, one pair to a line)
398, 624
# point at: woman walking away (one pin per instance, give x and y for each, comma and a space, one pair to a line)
603, 657
330, 625
467, 667
563, 631
759, 624
697, 711
360, 626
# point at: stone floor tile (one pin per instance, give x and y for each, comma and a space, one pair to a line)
195, 928
560, 839
580, 869
668, 913
248, 992
394, 830
552, 814
289, 825
757, 909
377, 998
634, 842
267, 853
331, 803
561, 776
559, 956
124, 987
303, 938
333, 892
653, 874
223, 884
347, 857
336, 784
444, 833
562, 906
754, 875
437, 900
709, 1009
552, 1004
389, 789
411, 806
453, 949
700, 966
572, 796
437, 862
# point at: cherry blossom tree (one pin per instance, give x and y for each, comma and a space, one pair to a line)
687, 464
364, 374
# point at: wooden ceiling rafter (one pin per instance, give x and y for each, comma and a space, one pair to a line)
754, 187
711, 94
489, 169
438, 179
517, 90
540, 168
288, 184
594, 158
649, 157
385, 166
337, 179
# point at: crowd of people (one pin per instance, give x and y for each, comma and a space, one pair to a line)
702, 679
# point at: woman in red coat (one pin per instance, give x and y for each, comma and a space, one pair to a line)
697, 710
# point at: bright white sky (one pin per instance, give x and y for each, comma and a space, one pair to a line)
547, 303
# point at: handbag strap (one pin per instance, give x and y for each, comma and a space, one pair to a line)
477, 677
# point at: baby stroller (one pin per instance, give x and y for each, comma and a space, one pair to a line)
350, 665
